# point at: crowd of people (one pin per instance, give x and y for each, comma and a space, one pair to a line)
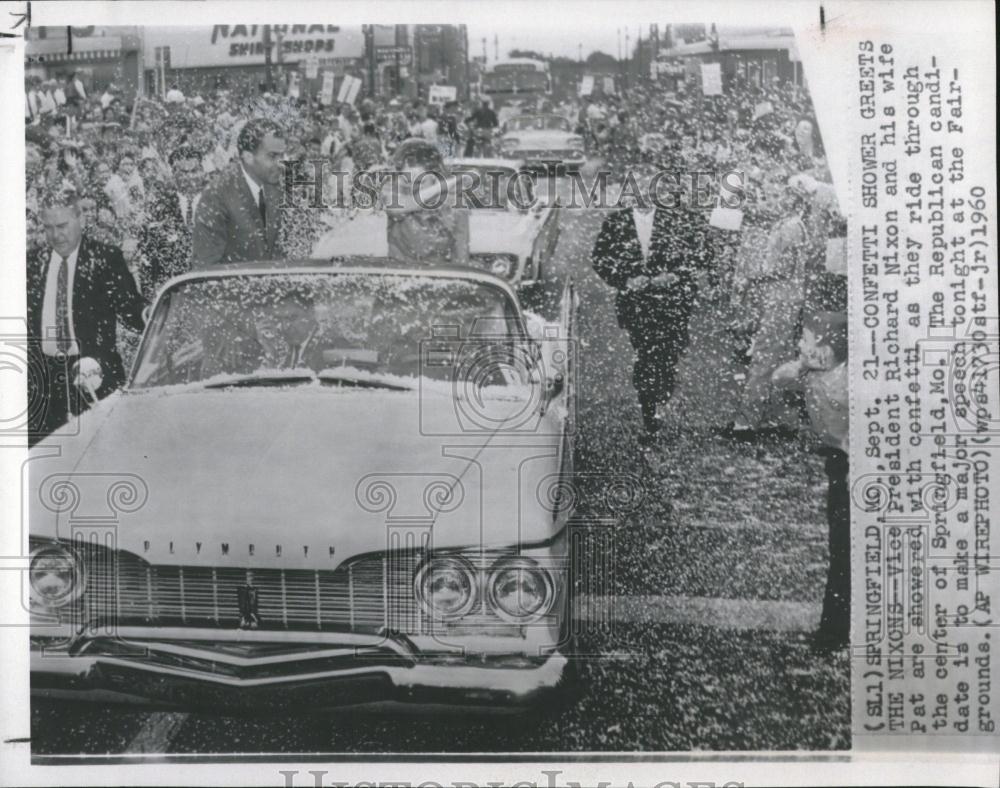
151, 187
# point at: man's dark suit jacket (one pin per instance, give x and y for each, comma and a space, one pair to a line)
104, 292
228, 228
681, 243
164, 242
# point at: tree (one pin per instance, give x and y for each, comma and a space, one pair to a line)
601, 60
526, 53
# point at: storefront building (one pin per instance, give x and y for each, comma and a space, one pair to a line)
98, 56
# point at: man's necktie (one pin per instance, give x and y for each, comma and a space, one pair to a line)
63, 335
188, 211
260, 207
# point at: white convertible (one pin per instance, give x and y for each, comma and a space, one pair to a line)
542, 141
322, 485
512, 231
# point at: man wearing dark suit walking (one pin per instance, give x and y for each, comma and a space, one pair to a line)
78, 290
239, 216
654, 257
165, 239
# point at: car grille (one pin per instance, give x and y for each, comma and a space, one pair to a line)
547, 154
368, 595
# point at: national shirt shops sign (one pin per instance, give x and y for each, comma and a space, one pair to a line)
244, 45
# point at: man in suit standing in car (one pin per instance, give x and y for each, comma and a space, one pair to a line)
239, 216
78, 290
654, 255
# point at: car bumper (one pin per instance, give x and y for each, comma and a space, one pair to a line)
203, 678
550, 159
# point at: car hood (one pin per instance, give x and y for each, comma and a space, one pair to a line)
540, 138
301, 477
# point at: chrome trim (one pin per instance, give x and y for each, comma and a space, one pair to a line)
463, 565
227, 658
236, 636
483, 686
75, 564
520, 562
215, 678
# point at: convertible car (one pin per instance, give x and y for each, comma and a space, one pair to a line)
542, 141
323, 484
512, 234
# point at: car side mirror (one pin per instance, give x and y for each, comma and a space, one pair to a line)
87, 376
146, 312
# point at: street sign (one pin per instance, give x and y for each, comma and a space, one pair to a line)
711, 79
390, 55
326, 91
349, 89
441, 94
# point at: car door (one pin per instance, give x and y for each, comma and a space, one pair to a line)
546, 217
559, 363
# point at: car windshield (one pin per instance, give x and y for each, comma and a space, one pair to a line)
538, 123
345, 328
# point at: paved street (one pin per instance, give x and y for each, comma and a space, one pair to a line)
716, 582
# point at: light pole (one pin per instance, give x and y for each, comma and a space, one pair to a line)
268, 73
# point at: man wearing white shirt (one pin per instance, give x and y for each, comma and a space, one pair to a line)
32, 106
165, 239
654, 257
424, 127
78, 291
78, 87
240, 214
46, 101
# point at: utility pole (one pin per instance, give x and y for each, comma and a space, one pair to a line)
268, 72
496, 46
369, 33
628, 63
485, 54
579, 49
638, 57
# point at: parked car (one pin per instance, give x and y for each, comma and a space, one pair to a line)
542, 141
322, 485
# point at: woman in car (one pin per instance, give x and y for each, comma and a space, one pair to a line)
423, 225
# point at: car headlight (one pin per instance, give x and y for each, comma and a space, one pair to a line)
502, 265
575, 142
520, 590
446, 587
55, 575
509, 144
